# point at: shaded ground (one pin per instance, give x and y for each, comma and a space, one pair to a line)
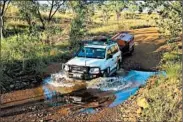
145, 57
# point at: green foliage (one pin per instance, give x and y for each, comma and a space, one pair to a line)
117, 7
165, 102
115, 27
170, 17
170, 57
165, 98
133, 7
78, 27
129, 15
173, 70
27, 11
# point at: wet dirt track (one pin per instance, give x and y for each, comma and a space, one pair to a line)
145, 57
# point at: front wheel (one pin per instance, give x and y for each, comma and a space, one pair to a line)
106, 73
118, 66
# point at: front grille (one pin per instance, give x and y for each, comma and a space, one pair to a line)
78, 69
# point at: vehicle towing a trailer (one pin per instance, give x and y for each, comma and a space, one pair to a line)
100, 57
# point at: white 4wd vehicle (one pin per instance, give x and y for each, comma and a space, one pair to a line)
94, 59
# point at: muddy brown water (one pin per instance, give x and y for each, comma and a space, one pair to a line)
96, 94
84, 98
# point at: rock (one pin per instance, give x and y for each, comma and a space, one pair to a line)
19, 85
12, 86
142, 102
33, 108
139, 111
50, 114
76, 99
40, 114
17, 81
125, 119
24, 83
34, 81
41, 120
132, 119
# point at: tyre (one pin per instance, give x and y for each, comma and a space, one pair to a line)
106, 73
118, 66
132, 50
122, 57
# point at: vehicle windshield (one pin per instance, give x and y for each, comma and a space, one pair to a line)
90, 52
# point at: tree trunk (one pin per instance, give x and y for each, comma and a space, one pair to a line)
1, 37
29, 21
41, 19
1, 27
118, 15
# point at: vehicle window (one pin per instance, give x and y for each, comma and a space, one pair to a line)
90, 52
114, 49
109, 52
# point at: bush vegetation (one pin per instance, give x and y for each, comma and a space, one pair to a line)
33, 40
165, 96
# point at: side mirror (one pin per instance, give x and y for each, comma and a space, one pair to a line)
109, 56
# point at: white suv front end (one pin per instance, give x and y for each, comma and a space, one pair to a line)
93, 61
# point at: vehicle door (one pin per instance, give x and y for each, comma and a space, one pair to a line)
131, 43
110, 60
116, 55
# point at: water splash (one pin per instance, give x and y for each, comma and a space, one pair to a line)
114, 83
59, 84
124, 86
61, 80
121, 86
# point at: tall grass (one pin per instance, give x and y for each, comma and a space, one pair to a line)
165, 98
114, 26
28, 55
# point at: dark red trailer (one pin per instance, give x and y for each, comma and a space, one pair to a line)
125, 41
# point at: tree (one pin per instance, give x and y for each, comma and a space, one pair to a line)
117, 7
27, 10
78, 24
54, 7
33, 9
4, 4
170, 17
3, 8
104, 7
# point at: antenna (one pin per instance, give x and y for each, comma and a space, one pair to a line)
85, 55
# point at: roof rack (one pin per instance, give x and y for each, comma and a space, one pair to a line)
97, 42
100, 40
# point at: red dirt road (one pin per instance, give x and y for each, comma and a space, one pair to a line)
146, 57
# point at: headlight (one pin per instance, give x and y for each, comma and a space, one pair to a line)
94, 70
66, 68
